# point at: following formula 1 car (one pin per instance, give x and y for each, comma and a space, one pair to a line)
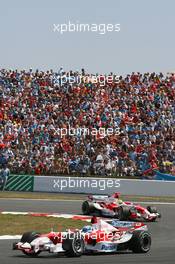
113, 206
100, 236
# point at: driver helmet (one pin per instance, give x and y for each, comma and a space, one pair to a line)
87, 229
120, 201
94, 220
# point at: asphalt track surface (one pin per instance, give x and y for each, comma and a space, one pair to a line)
163, 237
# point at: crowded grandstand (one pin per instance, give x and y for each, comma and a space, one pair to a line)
35, 106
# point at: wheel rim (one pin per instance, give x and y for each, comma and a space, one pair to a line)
146, 242
78, 245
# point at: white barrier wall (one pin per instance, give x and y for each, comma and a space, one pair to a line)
59, 184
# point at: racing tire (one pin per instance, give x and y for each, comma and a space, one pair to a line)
152, 209
74, 245
140, 242
29, 237
123, 213
97, 213
87, 208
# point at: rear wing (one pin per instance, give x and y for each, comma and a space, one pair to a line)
98, 197
103, 197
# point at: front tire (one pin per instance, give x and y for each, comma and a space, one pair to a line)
29, 237
152, 209
140, 242
73, 245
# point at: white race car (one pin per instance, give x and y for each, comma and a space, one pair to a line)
100, 236
113, 206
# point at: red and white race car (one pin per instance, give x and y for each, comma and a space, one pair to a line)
113, 206
100, 236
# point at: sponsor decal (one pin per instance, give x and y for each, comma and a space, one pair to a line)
117, 223
108, 246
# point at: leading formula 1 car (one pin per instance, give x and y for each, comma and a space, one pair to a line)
113, 206
100, 236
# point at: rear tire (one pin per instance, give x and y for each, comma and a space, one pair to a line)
123, 213
87, 208
73, 245
140, 242
29, 237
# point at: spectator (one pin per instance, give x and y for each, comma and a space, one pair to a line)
4, 173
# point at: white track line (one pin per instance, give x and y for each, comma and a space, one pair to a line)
62, 200
10, 237
159, 203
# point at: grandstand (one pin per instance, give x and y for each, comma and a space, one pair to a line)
35, 107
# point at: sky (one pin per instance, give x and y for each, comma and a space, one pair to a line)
145, 42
